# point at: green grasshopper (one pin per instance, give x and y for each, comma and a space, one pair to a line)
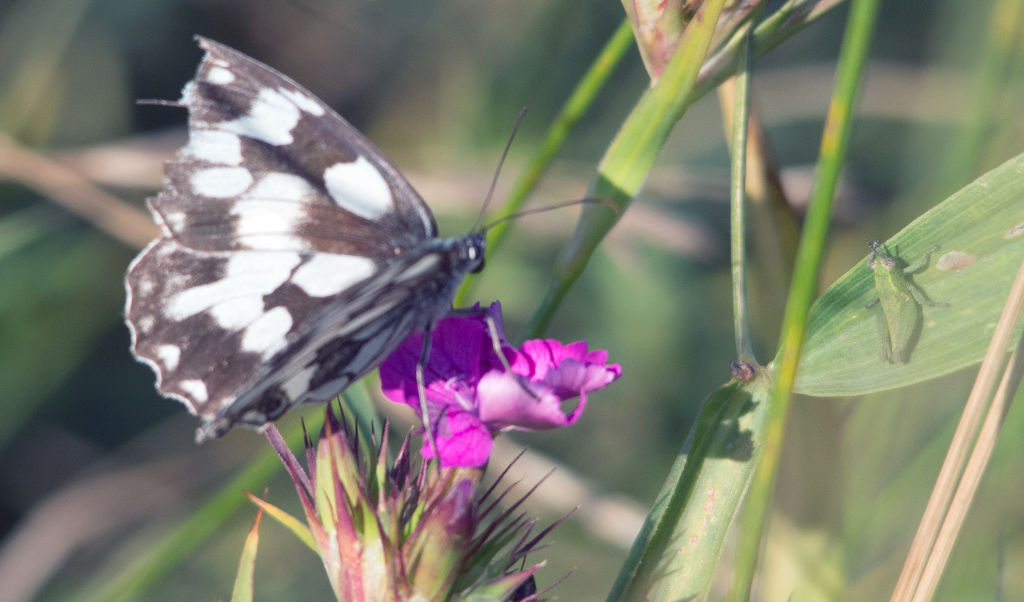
901, 302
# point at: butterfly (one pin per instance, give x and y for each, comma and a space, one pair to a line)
293, 256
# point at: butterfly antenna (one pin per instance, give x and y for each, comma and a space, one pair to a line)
519, 214
494, 180
158, 102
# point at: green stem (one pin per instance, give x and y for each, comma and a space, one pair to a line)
737, 215
630, 156
581, 98
835, 138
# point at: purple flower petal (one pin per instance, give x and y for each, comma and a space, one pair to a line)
569, 369
470, 396
462, 440
505, 403
461, 349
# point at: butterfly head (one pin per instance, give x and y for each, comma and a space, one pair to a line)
471, 251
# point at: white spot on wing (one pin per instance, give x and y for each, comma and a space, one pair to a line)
266, 335
165, 230
175, 220
235, 314
145, 287
214, 146
220, 182
188, 94
220, 76
146, 324
272, 117
196, 389
303, 101
359, 187
282, 187
248, 276
175, 281
326, 274
169, 355
162, 251
298, 384
271, 211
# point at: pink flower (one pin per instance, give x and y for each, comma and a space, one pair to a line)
470, 396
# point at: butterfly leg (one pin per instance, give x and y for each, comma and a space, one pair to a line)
421, 389
492, 328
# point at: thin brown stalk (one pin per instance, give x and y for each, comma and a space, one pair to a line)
75, 193
954, 488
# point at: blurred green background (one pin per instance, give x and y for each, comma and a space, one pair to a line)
96, 467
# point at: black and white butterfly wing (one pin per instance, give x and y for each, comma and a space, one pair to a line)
293, 258
270, 167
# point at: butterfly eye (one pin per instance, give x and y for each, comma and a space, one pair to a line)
478, 268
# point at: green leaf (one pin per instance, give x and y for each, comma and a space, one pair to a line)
587, 90
980, 232
243, 590
675, 555
287, 521
629, 158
